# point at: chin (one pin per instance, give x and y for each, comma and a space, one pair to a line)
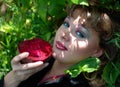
57, 56
53, 54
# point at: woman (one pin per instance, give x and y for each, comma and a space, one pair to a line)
83, 34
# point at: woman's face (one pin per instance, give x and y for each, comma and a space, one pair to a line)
73, 42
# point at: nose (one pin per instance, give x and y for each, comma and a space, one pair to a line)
66, 35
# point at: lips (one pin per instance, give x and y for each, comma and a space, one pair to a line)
60, 46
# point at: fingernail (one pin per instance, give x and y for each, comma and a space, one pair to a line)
46, 64
40, 62
27, 53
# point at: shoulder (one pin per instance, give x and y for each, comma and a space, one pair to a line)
67, 81
79, 81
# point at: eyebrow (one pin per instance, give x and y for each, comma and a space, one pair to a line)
82, 25
68, 17
85, 30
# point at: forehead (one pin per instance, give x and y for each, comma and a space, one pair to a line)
91, 15
76, 13
88, 16
94, 19
84, 17
83, 14
79, 11
80, 19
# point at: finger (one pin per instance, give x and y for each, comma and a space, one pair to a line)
27, 73
19, 57
34, 70
29, 66
32, 65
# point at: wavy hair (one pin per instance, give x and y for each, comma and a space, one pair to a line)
106, 24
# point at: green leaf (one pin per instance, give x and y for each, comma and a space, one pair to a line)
87, 65
81, 2
42, 9
117, 83
110, 73
24, 3
56, 7
46, 36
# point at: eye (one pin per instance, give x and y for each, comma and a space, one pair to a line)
80, 34
66, 24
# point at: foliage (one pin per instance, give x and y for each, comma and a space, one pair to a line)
110, 4
112, 69
87, 65
25, 19
111, 72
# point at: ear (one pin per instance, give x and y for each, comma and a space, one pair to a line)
98, 53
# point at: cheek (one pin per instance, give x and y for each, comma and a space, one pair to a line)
82, 44
86, 48
79, 47
82, 48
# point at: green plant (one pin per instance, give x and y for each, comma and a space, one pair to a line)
111, 72
87, 65
25, 19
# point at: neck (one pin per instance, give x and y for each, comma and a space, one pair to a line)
56, 72
58, 68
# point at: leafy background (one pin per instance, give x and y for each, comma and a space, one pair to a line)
25, 19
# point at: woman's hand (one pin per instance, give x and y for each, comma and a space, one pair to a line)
21, 72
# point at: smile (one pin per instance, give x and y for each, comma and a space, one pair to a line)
60, 46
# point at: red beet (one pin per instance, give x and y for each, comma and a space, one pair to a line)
39, 49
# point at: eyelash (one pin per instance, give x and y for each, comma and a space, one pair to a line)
78, 32
66, 24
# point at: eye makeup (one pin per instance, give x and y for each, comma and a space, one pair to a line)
66, 23
82, 32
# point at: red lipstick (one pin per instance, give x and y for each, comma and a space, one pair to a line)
60, 46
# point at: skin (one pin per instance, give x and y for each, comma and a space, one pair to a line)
21, 72
78, 47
